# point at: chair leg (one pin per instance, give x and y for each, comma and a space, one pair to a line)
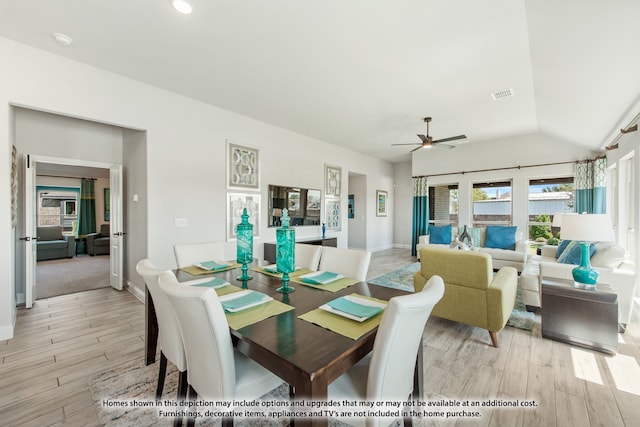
162, 372
494, 339
193, 395
182, 395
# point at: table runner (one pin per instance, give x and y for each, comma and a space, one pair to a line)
341, 325
334, 286
197, 271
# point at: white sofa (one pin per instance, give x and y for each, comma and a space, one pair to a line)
608, 259
500, 257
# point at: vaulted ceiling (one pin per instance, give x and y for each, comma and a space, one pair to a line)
363, 73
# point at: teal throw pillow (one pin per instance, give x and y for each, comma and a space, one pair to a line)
573, 253
500, 237
440, 235
561, 247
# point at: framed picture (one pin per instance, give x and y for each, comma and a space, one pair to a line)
332, 214
107, 204
381, 203
332, 180
236, 203
350, 208
243, 167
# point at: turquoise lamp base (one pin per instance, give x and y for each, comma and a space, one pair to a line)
584, 275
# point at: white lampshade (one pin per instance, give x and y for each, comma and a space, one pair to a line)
587, 227
557, 218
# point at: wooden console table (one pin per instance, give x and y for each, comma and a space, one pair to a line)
270, 247
578, 316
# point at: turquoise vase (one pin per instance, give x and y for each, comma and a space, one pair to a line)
584, 275
244, 245
285, 252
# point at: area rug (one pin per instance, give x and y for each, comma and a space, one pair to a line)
402, 278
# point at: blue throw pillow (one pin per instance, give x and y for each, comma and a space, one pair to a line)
500, 237
561, 247
440, 235
573, 253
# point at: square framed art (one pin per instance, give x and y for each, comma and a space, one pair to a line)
332, 180
243, 167
236, 202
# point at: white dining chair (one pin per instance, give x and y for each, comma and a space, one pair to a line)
353, 263
386, 374
193, 253
216, 371
308, 256
169, 339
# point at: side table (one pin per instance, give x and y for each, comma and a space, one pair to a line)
587, 318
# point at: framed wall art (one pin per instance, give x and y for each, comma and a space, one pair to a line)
351, 208
107, 204
332, 180
236, 202
243, 167
332, 214
381, 203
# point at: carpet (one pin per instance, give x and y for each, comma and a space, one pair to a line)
70, 275
402, 278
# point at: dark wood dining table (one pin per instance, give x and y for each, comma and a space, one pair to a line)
304, 355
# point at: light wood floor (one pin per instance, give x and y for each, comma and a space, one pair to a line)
61, 342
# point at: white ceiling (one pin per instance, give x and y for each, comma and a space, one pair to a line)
363, 73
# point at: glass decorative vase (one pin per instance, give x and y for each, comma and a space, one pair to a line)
285, 252
244, 245
324, 230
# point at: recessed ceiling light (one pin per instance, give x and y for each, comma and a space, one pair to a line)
182, 6
62, 39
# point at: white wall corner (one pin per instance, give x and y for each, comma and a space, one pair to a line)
6, 331
136, 291
20, 299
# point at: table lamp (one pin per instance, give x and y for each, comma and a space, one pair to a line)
285, 252
244, 245
586, 228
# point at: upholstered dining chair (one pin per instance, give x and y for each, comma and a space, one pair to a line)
352, 263
216, 371
190, 254
169, 339
308, 256
386, 374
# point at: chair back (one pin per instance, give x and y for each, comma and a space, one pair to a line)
396, 346
169, 339
469, 268
308, 256
205, 334
194, 253
105, 230
352, 263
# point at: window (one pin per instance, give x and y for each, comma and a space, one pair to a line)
57, 206
443, 204
492, 203
548, 197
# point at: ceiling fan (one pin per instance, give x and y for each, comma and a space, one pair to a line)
428, 142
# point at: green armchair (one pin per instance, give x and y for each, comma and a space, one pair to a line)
473, 294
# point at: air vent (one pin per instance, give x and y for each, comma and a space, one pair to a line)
502, 94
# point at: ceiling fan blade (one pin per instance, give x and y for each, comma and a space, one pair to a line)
416, 149
413, 143
447, 146
425, 139
452, 138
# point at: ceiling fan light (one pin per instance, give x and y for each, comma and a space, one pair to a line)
182, 6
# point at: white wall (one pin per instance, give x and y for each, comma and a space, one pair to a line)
403, 208
185, 152
358, 224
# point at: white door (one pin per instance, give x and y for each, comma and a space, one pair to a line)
30, 237
117, 233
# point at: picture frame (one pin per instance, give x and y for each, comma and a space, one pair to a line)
332, 180
243, 167
381, 203
332, 214
236, 203
107, 204
351, 207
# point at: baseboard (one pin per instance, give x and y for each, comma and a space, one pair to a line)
137, 292
401, 246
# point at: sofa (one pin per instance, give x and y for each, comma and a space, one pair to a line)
473, 294
52, 244
99, 243
608, 259
516, 256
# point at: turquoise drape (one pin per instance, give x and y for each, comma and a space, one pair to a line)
590, 186
420, 211
87, 220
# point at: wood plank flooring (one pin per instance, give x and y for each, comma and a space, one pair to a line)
63, 341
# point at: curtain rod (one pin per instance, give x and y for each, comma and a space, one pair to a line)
507, 168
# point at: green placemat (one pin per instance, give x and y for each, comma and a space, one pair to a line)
341, 325
226, 290
298, 272
334, 286
253, 315
197, 271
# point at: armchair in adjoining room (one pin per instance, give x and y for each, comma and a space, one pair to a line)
473, 295
99, 243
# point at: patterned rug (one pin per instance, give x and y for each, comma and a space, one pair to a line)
402, 278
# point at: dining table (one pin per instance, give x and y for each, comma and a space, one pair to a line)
303, 354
